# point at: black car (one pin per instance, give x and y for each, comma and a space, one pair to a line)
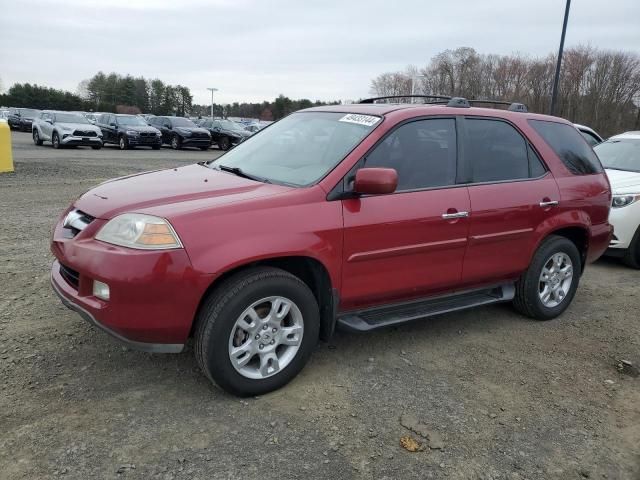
181, 132
128, 131
21, 118
225, 133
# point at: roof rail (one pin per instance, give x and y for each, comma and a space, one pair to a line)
513, 106
458, 102
388, 97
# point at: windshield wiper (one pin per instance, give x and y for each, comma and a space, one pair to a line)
239, 172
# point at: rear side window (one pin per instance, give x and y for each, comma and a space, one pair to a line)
423, 153
495, 150
568, 144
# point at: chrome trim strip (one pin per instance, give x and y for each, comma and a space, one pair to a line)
140, 346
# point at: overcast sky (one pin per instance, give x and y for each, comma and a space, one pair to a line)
253, 50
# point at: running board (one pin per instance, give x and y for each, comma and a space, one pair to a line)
397, 314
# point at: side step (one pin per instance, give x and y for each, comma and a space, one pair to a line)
389, 315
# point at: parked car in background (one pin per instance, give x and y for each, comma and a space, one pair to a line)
254, 127
128, 131
93, 116
224, 133
620, 156
366, 216
65, 129
21, 118
181, 132
4, 114
589, 134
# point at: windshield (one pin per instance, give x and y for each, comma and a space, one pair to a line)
229, 125
301, 148
70, 118
620, 154
182, 122
132, 120
28, 112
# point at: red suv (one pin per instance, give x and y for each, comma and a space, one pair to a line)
361, 216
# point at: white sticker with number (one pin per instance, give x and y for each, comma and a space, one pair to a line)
366, 120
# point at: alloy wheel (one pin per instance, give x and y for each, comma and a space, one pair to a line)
266, 337
555, 279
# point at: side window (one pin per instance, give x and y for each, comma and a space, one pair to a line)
495, 150
422, 152
591, 140
536, 167
569, 146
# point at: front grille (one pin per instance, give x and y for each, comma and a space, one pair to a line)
199, 135
84, 133
76, 221
148, 134
71, 276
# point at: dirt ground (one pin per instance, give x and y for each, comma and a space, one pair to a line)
501, 396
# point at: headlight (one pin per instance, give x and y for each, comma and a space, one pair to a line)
620, 201
131, 132
158, 134
136, 230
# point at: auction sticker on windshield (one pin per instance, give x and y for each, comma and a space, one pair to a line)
366, 120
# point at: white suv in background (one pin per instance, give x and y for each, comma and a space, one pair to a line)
65, 129
620, 156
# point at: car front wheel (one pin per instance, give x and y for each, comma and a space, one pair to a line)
36, 137
176, 142
548, 286
224, 143
123, 143
632, 255
55, 140
256, 331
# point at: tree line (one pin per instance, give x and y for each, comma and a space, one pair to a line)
599, 88
280, 107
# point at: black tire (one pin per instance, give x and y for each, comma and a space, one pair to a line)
527, 300
36, 137
123, 142
55, 140
204, 149
224, 144
219, 312
156, 147
96, 147
176, 142
632, 255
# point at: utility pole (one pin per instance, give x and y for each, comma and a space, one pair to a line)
554, 92
212, 90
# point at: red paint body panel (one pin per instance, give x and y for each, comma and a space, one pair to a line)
375, 249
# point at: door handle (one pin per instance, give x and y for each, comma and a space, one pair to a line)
550, 203
453, 216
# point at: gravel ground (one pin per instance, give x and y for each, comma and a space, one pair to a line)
498, 396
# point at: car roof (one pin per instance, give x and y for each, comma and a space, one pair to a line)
635, 135
430, 109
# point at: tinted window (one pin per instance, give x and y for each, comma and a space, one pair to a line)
536, 167
568, 144
495, 151
422, 152
591, 140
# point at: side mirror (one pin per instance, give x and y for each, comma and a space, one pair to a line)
375, 181
112, 124
49, 121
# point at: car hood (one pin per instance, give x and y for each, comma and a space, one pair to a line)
79, 126
139, 128
623, 181
192, 129
163, 190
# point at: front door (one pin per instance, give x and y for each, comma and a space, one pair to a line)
411, 243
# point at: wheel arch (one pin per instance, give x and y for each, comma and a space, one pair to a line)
578, 235
308, 269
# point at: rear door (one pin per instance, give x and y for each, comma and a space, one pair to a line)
411, 243
511, 193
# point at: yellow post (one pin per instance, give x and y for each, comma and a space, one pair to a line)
6, 158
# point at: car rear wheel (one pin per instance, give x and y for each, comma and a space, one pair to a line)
632, 255
224, 143
256, 331
96, 147
55, 140
176, 142
123, 142
156, 147
36, 137
548, 286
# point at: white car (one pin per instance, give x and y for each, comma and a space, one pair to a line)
65, 129
620, 156
590, 135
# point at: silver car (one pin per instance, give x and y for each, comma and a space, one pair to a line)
65, 129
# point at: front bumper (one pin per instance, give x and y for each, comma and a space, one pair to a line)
138, 140
196, 142
154, 295
625, 223
80, 141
